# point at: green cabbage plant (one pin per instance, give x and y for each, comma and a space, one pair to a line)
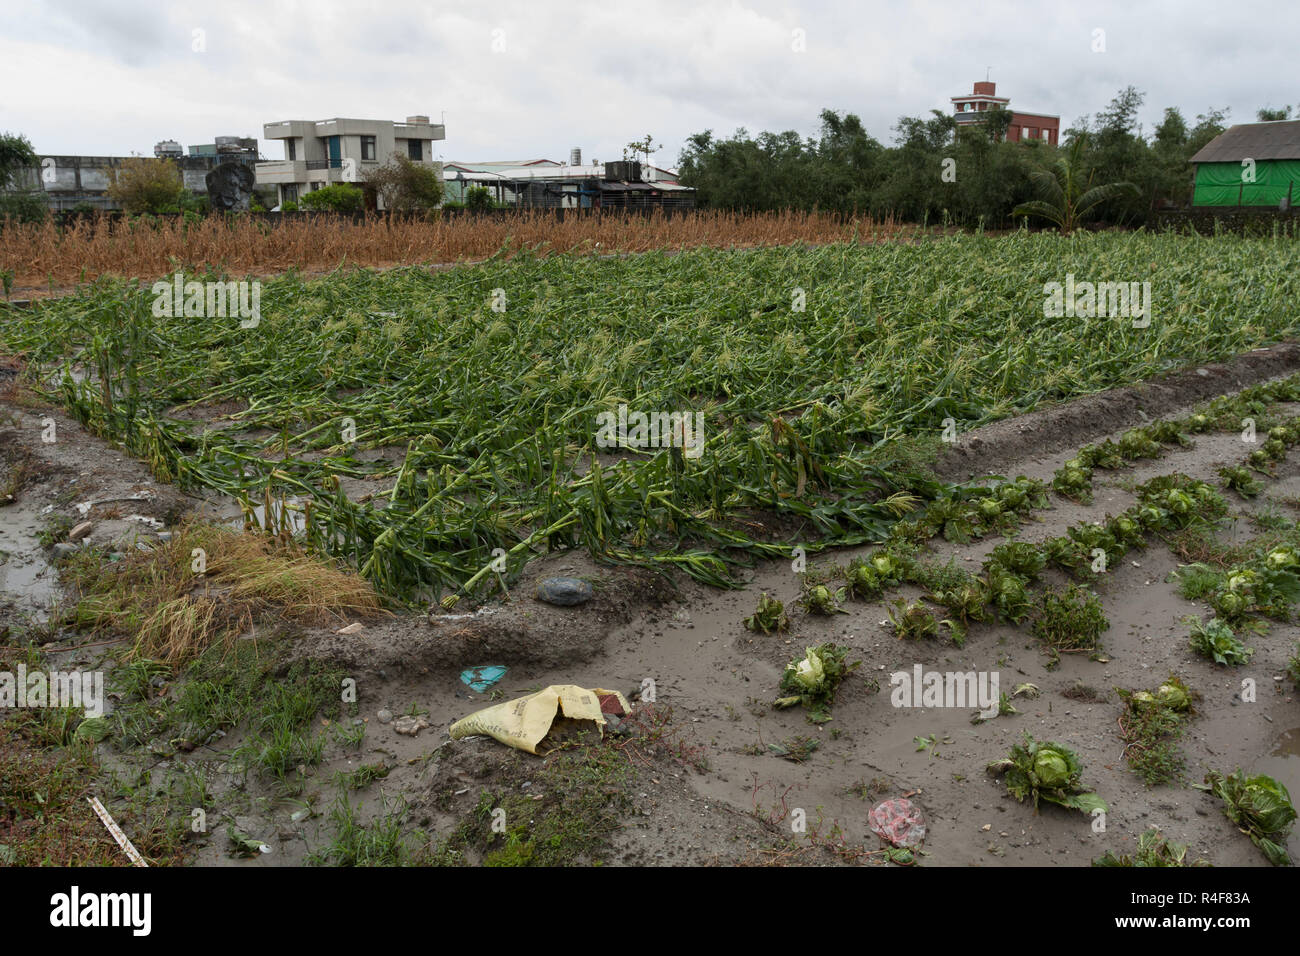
1260, 807
813, 679
1042, 770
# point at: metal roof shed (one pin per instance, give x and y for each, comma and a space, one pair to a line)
1250, 164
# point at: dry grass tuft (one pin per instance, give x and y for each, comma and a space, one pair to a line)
178, 613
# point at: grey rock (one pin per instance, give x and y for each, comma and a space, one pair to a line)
63, 549
385, 716
565, 592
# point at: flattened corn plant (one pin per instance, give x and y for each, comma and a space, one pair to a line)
476, 429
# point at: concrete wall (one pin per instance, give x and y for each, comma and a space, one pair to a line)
69, 180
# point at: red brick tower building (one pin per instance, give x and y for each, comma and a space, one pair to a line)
1024, 126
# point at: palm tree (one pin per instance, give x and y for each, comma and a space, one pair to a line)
1067, 197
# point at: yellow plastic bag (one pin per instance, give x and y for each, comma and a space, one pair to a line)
522, 723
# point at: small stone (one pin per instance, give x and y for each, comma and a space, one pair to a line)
81, 531
410, 726
63, 549
385, 716
565, 592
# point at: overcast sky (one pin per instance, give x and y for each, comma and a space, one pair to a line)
534, 78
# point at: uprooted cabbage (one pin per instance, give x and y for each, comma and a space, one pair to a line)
1260, 807
1043, 770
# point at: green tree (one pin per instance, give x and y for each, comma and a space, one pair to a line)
1171, 134
1267, 115
1116, 121
478, 198
1208, 125
144, 185
645, 147
1066, 194
16, 153
340, 197
407, 186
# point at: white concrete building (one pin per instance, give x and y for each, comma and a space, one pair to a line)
319, 154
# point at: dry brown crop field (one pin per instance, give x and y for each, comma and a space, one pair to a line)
43, 255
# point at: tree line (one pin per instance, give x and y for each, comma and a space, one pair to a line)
938, 172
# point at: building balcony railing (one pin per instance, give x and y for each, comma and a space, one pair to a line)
324, 164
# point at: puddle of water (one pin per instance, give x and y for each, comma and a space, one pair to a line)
25, 576
1288, 745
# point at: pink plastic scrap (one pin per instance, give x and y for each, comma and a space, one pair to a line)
898, 821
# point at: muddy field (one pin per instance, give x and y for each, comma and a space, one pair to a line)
697, 776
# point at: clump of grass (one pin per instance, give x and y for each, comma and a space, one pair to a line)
16, 469
362, 777
221, 690
55, 531
378, 843
1153, 849
280, 750
1069, 621
1197, 581
585, 795
1151, 724
176, 612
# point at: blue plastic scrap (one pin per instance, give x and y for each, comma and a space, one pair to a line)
481, 678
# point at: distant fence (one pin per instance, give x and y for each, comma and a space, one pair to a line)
1243, 220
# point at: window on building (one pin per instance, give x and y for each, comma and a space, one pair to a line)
367, 147
290, 147
414, 149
